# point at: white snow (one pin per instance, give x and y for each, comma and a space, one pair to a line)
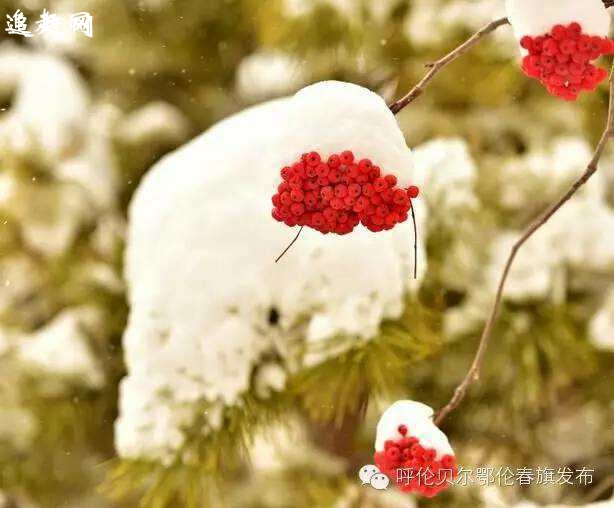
268, 74
573, 238
531, 274
430, 22
573, 241
157, 121
549, 171
56, 126
61, 348
201, 247
531, 17
601, 327
50, 117
446, 173
418, 418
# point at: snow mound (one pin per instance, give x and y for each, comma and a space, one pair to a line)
201, 247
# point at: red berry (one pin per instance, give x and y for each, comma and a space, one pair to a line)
380, 185
391, 180
341, 191
365, 166
334, 161
297, 209
574, 30
347, 157
559, 32
527, 42
313, 159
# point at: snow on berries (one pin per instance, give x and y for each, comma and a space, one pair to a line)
412, 451
560, 40
334, 195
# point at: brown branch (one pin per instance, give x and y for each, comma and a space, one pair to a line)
437, 66
474, 371
601, 488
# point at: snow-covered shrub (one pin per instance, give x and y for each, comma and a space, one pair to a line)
203, 284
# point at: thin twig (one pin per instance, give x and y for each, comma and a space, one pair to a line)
600, 489
290, 244
413, 218
474, 371
437, 66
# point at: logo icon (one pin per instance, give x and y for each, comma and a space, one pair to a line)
371, 475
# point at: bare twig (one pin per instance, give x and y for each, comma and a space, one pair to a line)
601, 488
413, 218
290, 244
474, 371
437, 66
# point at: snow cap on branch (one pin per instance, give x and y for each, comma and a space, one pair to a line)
560, 40
418, 419
531, 17
412, 451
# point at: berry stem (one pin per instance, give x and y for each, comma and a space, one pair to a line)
474, 371
437, 66
413, 218
290, 244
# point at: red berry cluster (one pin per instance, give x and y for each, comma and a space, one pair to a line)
334, 196
561, 60
414, 468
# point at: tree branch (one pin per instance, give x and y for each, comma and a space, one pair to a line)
437, 66
474, 371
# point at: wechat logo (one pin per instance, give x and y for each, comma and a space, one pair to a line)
371, 475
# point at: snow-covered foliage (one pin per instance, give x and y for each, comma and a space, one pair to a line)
350, 9
602, 325
57, 125
266, 75
62, 348
157, 121
549, 170
201, 246
447, 173
52, 117
568, 243
431, 20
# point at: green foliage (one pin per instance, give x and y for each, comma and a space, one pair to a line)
366, 368
196, 477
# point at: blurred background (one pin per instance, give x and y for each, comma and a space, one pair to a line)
81, 121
